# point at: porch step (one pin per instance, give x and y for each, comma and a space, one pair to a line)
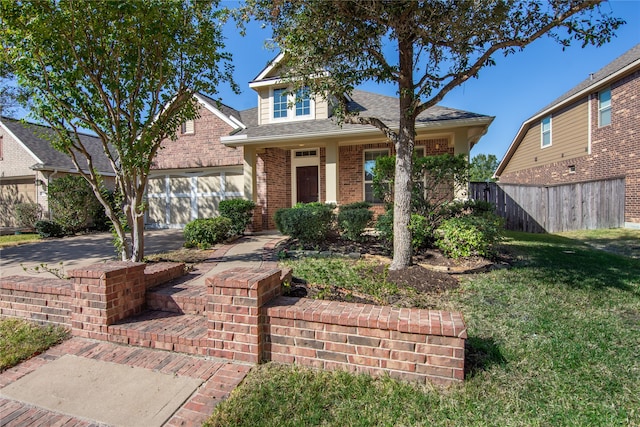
181, 298
183, 333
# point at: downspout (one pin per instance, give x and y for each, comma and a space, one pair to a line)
49, 179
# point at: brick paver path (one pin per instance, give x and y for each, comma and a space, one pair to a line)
220, 378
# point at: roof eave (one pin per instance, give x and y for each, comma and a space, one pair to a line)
244, 140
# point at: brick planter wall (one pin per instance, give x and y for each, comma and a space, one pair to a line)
37, 299
249, 321
104, 294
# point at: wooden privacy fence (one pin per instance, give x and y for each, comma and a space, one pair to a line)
556, 208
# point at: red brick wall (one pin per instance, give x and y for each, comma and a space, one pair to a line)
200, 149
248, 321
615, 150
34, 298
274, 184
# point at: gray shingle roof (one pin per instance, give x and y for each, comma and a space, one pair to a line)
368, 104
596, 78
37, 139
225, 109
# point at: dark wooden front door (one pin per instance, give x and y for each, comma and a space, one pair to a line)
307, 184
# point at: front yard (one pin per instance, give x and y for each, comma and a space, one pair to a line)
553, 340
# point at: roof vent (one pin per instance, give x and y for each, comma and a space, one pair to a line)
590, 76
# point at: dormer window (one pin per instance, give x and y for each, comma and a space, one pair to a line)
280, 106
303, 102
287, 105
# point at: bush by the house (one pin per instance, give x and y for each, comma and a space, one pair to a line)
204, 232
384, 226
470, 235
469, 207
72, 203
309, 223
353, 218
239, 211
421, 233
27, 214
48, 229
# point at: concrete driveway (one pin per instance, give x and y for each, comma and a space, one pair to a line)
77, 251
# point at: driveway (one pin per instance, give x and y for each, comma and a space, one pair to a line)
77, 251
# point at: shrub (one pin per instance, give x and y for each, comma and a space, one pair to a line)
72, 203
384, 226
239, 211
353, 219
49, 229
470, 235
421, 234
309, 223
27, 214
204, 232
469, 207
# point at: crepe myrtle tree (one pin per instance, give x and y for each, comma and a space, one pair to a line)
426, 48
123, 70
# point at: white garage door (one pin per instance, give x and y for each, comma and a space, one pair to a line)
177, 198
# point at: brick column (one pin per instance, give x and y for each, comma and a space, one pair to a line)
235, 314
104, 294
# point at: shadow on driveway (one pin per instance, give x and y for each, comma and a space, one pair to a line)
78, 251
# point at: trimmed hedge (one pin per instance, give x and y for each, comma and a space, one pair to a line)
239, 211
470, 235
309, 223
204, 232
353, 218
49, 229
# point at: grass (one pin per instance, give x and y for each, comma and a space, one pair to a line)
17, 239
21, 340
554, 340
622, 241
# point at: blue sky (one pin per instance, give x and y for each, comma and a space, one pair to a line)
513, 90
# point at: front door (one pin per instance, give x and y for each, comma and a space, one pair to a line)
307, 184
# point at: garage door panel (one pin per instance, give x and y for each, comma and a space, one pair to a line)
209, 184
208, 206
156, 213
235, 183
180, 210
180, 185
156, 186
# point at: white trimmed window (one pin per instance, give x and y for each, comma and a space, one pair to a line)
604, 108
370, 157
545, 132
287, 105
280, 106
188, 127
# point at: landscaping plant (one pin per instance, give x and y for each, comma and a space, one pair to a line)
205, 232
239, 211
27, 214
73, 203
470, 235
353, 219
307, 222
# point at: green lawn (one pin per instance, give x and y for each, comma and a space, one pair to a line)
17, 239
20, 340
554, 340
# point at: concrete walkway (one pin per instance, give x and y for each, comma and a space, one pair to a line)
91, 383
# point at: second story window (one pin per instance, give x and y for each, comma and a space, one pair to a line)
303, 102
604, 108
280, 103
545, 136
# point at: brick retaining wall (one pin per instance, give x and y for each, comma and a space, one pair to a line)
251, 322
37, 299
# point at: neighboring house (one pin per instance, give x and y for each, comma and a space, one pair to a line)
590, 133
288, 150
28, 164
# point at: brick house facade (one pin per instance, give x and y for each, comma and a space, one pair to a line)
286, 151
586, 146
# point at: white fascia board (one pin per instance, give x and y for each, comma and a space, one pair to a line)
228, 120
268, 68
241, 140
15, 138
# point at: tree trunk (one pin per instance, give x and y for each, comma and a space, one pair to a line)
404, 161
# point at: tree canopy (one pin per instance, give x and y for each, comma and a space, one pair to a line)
426, 48
482, 167
123, 70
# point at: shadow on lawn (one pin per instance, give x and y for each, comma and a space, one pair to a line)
480, 354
